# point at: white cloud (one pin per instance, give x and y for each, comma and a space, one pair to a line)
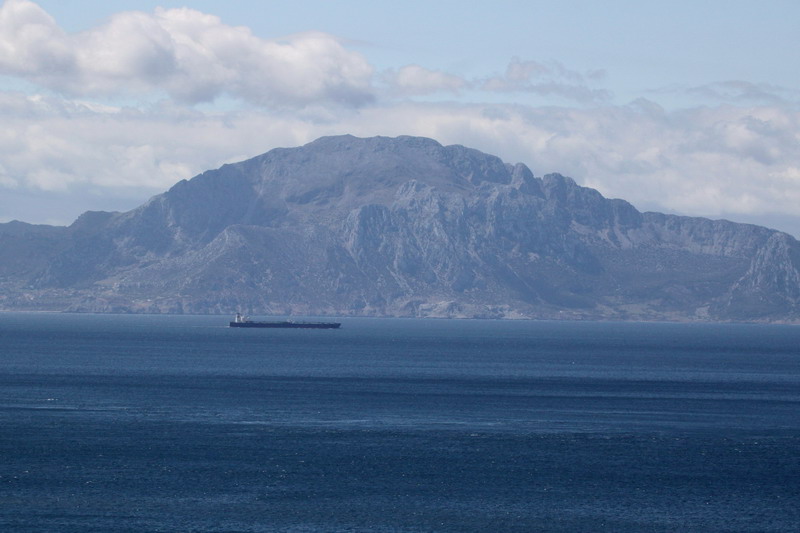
192, 56
5, 180
737, 91
31, 44
705, 161
547, 79
415, 80
550, 79
732, 92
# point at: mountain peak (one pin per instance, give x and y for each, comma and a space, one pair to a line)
400, 226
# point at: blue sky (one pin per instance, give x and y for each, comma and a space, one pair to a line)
682, 107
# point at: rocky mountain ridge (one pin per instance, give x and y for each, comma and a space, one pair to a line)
399, 227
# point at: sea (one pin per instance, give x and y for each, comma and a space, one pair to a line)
135, 423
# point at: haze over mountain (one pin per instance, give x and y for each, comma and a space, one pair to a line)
399, 227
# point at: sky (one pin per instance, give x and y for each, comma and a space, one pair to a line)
684, 107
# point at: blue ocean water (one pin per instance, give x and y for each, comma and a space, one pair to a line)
115, 423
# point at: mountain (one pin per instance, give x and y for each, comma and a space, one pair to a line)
399, 227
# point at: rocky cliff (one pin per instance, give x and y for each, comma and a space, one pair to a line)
399, 227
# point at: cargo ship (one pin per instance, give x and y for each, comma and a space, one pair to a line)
241, 321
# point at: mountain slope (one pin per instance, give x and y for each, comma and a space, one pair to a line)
403, 227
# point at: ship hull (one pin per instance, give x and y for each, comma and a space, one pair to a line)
289, 325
